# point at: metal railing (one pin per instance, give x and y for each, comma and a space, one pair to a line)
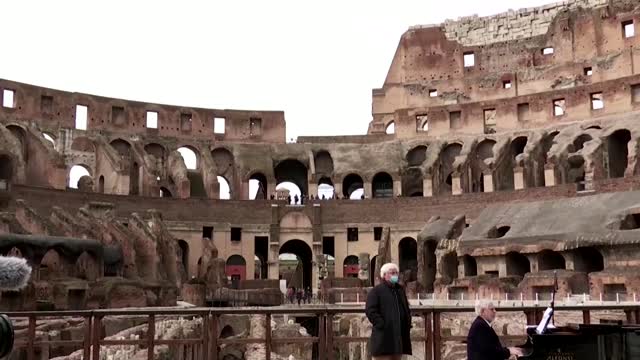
206, 346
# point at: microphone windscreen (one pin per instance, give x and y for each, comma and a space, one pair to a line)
14, 273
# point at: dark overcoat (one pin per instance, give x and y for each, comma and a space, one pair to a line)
483, 343
388, 311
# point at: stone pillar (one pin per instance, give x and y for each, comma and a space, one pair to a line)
488, 182
456, 188
363, 263
427, 187
502, 266
368, 190
338, 189
518, 178
397, 188
549, 177
338, 265
271, 189
588, 180
313, 190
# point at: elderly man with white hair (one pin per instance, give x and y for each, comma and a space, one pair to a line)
388, 311
483, 342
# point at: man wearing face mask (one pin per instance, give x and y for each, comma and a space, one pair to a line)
388, 311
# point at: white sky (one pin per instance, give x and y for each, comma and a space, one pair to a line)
316, 61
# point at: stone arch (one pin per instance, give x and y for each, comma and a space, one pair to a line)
258, 186
382, 185
21, 135
101, 184
294, 171
547, 143
576, 173
390, 128
223, 160
325, 188
52, 266
87, 267
304, 255
76, 173
225, 191
483, 151
6, 168
158, 152
417, 155
470, 266
83, 144
517, 146
550, 260
408, 257
352, 183
190, 156
497, 232
447, 158
517, 264
578, 142
165, 193
236, 269
618, 152
182, 255
227, 332
323, 163
351, 266
123, 147
412, 182
587, 259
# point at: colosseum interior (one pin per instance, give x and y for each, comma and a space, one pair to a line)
501, 150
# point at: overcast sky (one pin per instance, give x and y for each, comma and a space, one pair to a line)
317, 61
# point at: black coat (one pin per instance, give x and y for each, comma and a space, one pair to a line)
483, 343
388, 311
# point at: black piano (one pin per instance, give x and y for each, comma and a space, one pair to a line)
584, 342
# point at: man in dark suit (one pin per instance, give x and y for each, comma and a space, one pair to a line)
483, 342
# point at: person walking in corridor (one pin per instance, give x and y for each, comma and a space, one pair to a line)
388, 311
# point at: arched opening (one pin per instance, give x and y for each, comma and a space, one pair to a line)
351, 266
550, 260
447, 159
292, 171
578, 143
6, 168
123, 148
158, 152
225, 190
235, 270
470, 266
429, 263
226, 332
484, 151
101, 184
382, 185
77, 172
408, 253
190, 157
587, 259
134, 179
49, 138
52, 266
298, 256
576, 172
165, 193
223, 160
373, 274
390, 128
618, 152
412, 182
417, 155
517, 264
497, 232
450, 266
258, 187
517, 146
325, 188
289, 191
352, 186
21, 135
323, 163
183, 259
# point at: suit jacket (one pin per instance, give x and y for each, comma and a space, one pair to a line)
483, 343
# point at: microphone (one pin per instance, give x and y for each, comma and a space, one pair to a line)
14, 273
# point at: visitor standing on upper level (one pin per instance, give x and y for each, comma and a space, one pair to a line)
483, 342
388, 311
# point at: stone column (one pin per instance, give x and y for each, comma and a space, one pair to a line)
397, 188
338, 189
368, 190
313, 190
427, 187
271, 189
245, 194
549, 177
456, 188
488, 182
518, 178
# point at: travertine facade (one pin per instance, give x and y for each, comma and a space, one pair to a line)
534, 144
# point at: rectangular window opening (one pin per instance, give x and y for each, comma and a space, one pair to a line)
455, 119
588, 71
152, 120
422, 122
8, 100
236, 234
489, 121
255, 126
635, 93
597, 101
352, 234
117, 115
628, 29
433, 93
328, 245
523, 112
46, 104
81, 117
219, 125
506, 84
469, 59
185, 122
377, 233
559, 107
207, 232
547, 51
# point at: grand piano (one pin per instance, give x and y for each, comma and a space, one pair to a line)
584, 342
